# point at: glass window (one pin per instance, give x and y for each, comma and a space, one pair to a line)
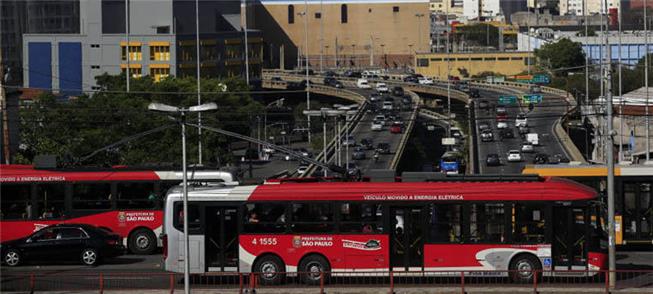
444, 223
423, 62
291, 14
395, 8
51, 200
528, 223
159, 74
160, 53
312, 217
45, 235
486, 223
343, 13
135, 53
70, 233
265, 217
135, 72
15, 201
194, 223
361, 218
92, 196
136, 195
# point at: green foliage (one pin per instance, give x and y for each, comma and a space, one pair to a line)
78, 127
558, 57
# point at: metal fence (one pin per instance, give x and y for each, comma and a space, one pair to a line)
630, 281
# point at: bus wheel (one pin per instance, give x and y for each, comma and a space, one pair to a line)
312, 268
523, 268
269, 270
142, 241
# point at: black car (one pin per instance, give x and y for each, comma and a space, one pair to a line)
487, 136
411, 79
474, 93
383, 148
493, 160
63, 242
541, 158
358, 154
367, 144
483, 104
352, 74
507, 134
398, 91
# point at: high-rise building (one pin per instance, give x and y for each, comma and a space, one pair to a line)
162, 42
18, 17
582, 7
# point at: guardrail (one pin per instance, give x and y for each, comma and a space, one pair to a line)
417, 101
627, 281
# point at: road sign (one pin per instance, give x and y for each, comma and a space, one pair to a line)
532, 98
507, 99
541, 79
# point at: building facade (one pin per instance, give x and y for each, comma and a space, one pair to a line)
349, 33
443, 65
161, 43
583, 7
481, 9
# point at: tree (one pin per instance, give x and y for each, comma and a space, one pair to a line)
78, 127
560, 56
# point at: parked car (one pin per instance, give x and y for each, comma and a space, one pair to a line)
493, 160
487, 136
541, 158
514, 156
398, 91
396, 128
358, 153
367, 143
382, 88
521, 120
377, 125
63, 243
383, 148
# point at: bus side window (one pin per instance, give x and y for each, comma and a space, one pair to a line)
264, 218
92, 196
444, 223
194, 223
133, 195
51, 200
361, 218
15, 202
487, 223
529, 224
312, 217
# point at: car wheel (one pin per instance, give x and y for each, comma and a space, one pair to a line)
313, 268
90, 257
269, 270
524, 267
142, 241
12, 257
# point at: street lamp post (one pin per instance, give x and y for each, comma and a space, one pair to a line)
182, 112
325, 114
277, 102
308, 82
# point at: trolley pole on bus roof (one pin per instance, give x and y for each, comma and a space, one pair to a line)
182, 120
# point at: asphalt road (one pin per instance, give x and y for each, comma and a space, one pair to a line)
540, 121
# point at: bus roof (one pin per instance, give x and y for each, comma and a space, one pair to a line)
27, 174
551, 189
565, 170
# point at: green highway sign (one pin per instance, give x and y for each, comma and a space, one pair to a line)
541, 79
507, 99
532, 98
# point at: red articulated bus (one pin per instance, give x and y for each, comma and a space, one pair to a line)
122, 200
479, 227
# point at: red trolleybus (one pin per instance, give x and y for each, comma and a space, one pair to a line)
473, 226
125, 201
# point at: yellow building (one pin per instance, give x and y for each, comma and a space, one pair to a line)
470, 64
350, 32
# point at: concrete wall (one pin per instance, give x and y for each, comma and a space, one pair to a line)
504, 63
370, 24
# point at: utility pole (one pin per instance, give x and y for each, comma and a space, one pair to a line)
621, 120
609, 146
246, 47
646, 112
308, 82
127, 47
199, 83
4, 107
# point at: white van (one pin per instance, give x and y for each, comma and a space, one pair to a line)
533, 138
363, 84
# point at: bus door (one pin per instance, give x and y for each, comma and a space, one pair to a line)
407, 238
570, 237
637, 211
221, 239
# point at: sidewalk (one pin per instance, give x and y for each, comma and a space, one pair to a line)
370, 290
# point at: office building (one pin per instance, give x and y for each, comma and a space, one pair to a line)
465, 65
